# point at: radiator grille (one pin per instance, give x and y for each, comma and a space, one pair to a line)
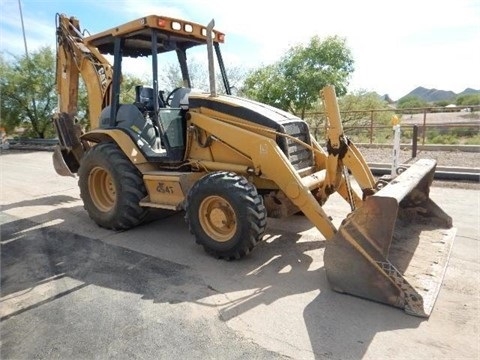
300, 156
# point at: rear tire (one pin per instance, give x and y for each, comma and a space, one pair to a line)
226, 215
111, 188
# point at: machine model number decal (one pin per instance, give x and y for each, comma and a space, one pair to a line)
164, 189
101, 75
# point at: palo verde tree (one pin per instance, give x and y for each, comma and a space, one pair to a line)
358, 108
28, 95
411, 103
171, 77
268, 85
468, 100
294, 82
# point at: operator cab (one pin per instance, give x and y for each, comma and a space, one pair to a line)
160, 134
144, 98
157, 123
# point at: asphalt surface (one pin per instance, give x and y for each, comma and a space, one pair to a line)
71, 290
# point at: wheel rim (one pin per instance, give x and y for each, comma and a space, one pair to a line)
218, 218
102, 189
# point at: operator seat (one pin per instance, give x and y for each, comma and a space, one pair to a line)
130, 118
144, 98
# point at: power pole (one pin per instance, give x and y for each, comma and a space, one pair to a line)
23, 29
34, 104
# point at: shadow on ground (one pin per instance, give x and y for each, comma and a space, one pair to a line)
339, 326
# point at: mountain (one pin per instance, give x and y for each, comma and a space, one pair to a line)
434, 95
388, 99
469, 91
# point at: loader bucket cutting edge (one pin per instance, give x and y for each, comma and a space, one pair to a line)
395, 248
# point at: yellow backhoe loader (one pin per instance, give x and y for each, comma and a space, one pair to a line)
230, 162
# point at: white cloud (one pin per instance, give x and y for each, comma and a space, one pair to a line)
396, 45
396, 48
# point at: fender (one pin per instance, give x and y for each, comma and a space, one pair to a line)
124, 142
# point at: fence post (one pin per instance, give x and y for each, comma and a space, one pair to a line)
414, 141
371, 127
396, 145
424, 126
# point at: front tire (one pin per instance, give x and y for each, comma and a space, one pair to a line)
111, 188
226, 215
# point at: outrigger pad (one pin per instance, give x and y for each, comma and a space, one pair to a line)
394, 249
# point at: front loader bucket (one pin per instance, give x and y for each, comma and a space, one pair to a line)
394, 249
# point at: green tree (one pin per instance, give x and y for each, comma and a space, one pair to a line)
411, 102
28, 95
294, 82
29, 98
267, 85
127, 88
468, 100
9, 114
357, 109
441, 103
171, 77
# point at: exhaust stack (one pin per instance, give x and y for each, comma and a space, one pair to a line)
211, 64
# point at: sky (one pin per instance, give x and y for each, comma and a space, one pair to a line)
396, 45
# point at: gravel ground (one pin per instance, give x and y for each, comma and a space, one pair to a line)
444, 158
461, 159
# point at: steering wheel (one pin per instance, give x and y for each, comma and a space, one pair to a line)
169, 98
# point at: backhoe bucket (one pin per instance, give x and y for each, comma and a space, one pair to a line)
394, 249
59, 163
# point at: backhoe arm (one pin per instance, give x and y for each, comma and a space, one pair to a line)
76, 58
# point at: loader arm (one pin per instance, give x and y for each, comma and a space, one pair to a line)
343, 153
270, 162
395, 244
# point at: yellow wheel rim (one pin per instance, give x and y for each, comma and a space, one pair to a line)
217, 218
102, 189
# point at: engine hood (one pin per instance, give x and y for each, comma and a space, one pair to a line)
245, 109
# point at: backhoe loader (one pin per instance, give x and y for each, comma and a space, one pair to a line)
229, 163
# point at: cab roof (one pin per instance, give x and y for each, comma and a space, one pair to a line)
172, 34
